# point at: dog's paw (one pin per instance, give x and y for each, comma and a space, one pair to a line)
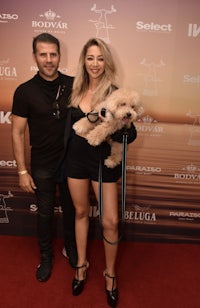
93, 142
78, 128
93, 138
110, 163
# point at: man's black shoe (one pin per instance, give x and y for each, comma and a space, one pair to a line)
71, 253
43, 272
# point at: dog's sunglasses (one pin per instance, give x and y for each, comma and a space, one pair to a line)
92, 117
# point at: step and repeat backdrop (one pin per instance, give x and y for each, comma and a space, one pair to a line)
156, 46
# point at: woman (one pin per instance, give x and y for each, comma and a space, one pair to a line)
95, 79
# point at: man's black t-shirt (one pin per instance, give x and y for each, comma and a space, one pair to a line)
35, 100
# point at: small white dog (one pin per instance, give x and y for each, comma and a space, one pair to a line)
121, 108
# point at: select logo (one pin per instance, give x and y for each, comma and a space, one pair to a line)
153, 27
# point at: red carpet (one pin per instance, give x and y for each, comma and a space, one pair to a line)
150, 275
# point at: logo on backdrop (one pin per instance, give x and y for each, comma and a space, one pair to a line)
149, 126
4, 209
8, 163
153, 27
5, 117
182, 215
194, 138
33, 209
150, 77
188, 175
101, 24
193, 30
144, 170
49, 21
5, 18
189, 79
141, 215
93, 213
7, 72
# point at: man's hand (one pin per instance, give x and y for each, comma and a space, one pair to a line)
26, 183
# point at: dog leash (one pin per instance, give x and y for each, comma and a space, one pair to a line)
123, 202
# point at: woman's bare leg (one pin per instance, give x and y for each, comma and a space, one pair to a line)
110, 226
79, 190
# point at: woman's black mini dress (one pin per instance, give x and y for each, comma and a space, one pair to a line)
83, 159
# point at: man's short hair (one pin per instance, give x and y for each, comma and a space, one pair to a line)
45, 38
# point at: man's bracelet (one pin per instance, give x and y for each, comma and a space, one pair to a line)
22, 172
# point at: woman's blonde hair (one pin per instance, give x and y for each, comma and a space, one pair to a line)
81, 81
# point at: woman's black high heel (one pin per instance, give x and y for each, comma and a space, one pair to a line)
112, 296
78, 285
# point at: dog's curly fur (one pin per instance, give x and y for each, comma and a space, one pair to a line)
122, 108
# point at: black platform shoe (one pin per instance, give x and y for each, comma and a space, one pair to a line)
112, 296
44, 269
78, 285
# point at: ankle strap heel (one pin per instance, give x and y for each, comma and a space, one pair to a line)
77, 268
78, 285
112, 296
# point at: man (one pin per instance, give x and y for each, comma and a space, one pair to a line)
41, 103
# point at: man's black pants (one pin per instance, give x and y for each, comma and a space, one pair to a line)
45, 192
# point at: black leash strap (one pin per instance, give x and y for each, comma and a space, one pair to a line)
123, 203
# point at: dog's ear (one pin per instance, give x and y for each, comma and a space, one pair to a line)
140, 110
137, 102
